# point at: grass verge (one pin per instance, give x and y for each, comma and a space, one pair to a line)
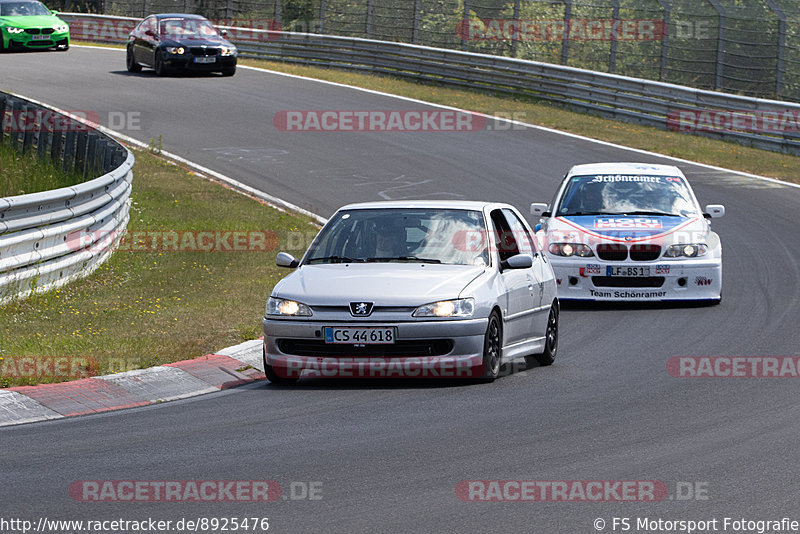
156, 301
25, 173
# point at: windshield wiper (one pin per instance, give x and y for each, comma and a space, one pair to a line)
643, 212
338, 259
589, 213
406, 258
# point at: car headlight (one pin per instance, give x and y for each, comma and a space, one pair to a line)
61, 29
447, 308
175, 50
571, 249
688, 250
13, 30
276, 306
228, 51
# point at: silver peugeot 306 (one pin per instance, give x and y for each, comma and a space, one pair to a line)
413, 289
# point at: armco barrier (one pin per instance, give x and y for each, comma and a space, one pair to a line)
618, 97
37, 249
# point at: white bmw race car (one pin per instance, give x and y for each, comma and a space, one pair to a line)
630, 232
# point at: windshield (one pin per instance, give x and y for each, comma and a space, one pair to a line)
402, 235
187, 29
620, 194
15, 9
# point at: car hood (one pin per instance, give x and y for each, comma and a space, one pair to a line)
385, 284
32, 21
592, 229
196, 42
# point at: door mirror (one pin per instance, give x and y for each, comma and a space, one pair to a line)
284, 259
539, 209
715, 210
518, 261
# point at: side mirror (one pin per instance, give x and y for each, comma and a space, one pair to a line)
223, 33
714, 211
518, 261
54, 12
538, 209
284, 259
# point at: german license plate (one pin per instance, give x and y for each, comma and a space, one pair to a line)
205, 59
628, 270
360, 336
39, 37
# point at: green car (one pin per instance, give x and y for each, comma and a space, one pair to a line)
28, 24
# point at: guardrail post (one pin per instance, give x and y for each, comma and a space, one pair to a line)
515, 36
2, 119
91, 153
57, 145
564, 38
780, 67
415, 23
13, 119
44, 140
28, 125
368, 22
615, 24
69, 150
465, 24
81, 144
718, 74
667, 7
321, 25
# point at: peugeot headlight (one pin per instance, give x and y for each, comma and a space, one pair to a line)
175, 50
571, 249
447, 308
61, 29
228, 51
13, 30
276, 306
688, 250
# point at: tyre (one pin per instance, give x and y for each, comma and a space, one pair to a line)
550, 338
492, 348
229, 71
160, 68
272, 376
130, 62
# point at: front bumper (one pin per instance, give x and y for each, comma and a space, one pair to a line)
685, 279
187, 62
22, 41
296, 347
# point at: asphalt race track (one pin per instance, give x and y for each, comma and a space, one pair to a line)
389, 454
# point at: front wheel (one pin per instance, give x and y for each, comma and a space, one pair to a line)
550, 338
229, 71
158, 66
130, 62
492, 348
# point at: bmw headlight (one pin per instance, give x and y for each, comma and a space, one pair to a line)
228, 51
447, 308
175, 50
687, 250
276, 306
61, 29
13, 30
571, 249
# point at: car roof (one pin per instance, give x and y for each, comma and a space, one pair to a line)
412, 204
175, 16
625, 168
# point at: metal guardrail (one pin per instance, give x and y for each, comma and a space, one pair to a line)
612, 96
50, 238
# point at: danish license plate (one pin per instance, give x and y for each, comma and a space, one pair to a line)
205, 59
627, 270
359, 336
